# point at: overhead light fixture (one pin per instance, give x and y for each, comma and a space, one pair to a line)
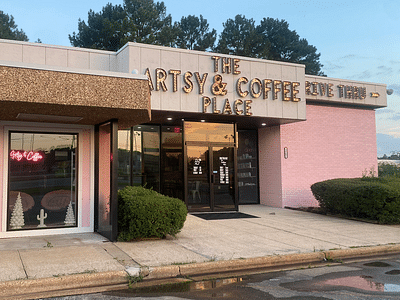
202, 121
263, 124
169, 119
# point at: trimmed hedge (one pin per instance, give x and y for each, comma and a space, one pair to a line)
144, 213
371, 198
386, 169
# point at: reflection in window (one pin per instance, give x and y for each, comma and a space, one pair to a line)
172, 161
210, 132
198, 177
247, 167
139, 157
124, 158
42, 180
151, 156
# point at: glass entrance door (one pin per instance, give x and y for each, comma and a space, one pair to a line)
210, 178
210, 160
222, 178
198, 178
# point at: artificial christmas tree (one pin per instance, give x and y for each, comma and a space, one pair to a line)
17, 215
70, 218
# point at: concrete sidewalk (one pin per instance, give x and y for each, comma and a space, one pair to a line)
277, 236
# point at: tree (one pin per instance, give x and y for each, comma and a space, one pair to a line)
194, 34
271, 39
141, 21
147, 22
286, 45
9, 30
104, 30
239, 37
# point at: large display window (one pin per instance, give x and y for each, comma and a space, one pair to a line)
42, 177
248, 167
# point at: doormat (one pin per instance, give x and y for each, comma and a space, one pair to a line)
223, 216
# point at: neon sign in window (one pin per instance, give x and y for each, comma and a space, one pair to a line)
25, 155
42, 181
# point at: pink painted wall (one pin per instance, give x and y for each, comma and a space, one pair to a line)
85, 144
334, 142
269, 146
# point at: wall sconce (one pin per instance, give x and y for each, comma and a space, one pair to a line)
285, 152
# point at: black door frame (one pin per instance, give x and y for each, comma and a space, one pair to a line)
113, 233
210, 146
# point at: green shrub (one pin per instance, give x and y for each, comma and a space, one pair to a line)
144, 213
386, 169
369, 198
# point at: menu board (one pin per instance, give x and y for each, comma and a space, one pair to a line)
197, 167
223, 170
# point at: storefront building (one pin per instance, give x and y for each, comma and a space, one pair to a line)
216, 131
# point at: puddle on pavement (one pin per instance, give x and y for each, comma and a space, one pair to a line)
393, 272
378, 264
365, 283
189, 286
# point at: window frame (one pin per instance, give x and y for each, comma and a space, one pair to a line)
44, 129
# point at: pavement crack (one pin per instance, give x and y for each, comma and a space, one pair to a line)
194, 251
22, 262
119, 255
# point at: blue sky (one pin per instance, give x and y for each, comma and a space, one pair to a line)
358, 40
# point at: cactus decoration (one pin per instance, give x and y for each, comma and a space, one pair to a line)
17, 216
70, 218
41, 218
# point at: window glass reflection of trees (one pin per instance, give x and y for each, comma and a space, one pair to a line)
139, 156
124, 157
172, 161
42, 180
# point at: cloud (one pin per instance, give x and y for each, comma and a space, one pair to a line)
384, 70
384, 111
328, 65
395, 117
387, 143
349, 56
365, 75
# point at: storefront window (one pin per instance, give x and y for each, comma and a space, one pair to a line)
209, 132
248, 167
42, 180
172, 161
151, 156
139, 157
124, 158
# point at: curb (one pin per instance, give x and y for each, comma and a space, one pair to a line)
362, 252
266, 262
98, 282
29, 288
226, 266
